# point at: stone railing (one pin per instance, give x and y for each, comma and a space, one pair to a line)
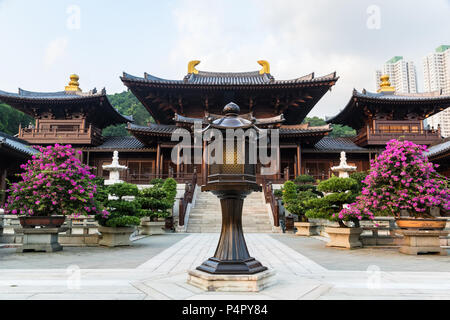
82, 231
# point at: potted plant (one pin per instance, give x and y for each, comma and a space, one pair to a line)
156, 203
54, 184
117, 226
404, 184
337, 193
294, 199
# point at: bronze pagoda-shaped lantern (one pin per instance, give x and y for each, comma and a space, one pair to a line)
231, 181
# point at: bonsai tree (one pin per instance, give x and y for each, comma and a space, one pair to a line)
359, 178
157, 200
54, 182
305, 182
121, 211
402, 178
157, 181
295, 198
170, 186
338, 192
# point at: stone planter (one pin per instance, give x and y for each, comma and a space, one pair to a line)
421, 224
44, 238
148, 227
344, 237
41, 240
115, 237
422, 242
42, 221
306, 229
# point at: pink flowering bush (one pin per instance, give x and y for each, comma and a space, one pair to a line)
402, 178
54, 182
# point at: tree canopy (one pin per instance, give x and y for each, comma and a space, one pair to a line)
127, 104
10, 119
338, 130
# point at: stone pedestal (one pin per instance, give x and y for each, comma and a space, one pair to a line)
422, 242
115, 237
41, 239
344, 237
151, 228
306, 229
231, 282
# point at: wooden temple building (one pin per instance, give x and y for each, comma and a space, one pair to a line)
77, 118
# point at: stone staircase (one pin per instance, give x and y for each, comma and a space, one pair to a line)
206, 215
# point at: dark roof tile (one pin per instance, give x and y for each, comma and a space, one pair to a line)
16, 144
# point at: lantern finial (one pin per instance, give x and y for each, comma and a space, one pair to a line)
231, 109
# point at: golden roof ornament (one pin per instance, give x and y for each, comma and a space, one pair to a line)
265, 66
191, 66
73, 84
385, 85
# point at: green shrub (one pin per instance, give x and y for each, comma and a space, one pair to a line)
359, 177
123, 221
170, 186
335, 184
294, 200
123, 213
157, 181
289, 192
278, 193
156, 201
338, 191
304, 179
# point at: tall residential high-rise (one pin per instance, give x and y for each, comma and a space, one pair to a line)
402, 74
436, 72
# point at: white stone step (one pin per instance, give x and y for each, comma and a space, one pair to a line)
206, 215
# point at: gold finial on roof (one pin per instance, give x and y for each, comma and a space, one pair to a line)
191, 66
73, 84
265, 66
385, 85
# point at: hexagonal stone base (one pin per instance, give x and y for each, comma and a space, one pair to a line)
230, 282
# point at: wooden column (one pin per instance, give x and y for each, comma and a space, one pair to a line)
158, 155
161, 165
204, 167
2, 186
178, 161
278, 164
299, 161
295, 166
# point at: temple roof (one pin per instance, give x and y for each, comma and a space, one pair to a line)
365, 104
120, 144
201, 92
17, 145
95, 104
244, 79
438, 149
153, 129
286, 131
329, 144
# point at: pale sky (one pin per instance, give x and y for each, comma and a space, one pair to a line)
42, 42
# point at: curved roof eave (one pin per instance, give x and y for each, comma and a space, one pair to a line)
241, 79
61, 97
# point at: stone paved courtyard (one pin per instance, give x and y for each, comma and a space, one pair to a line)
155, 268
